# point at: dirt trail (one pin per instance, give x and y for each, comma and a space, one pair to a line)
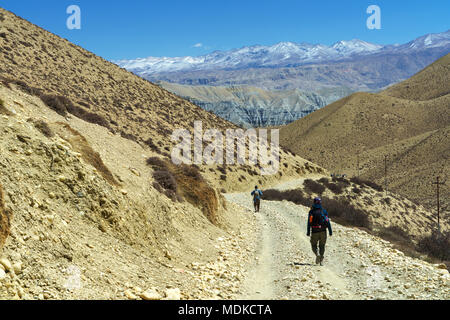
356, 266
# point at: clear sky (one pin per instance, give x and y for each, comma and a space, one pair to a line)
117, 29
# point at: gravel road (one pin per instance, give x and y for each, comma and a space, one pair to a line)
356, 266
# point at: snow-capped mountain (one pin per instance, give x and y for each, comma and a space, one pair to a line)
279, 55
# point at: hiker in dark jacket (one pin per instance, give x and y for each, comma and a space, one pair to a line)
257, 194
318, 222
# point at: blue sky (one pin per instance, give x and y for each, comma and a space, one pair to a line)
117, 29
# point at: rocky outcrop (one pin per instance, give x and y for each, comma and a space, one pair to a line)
249, 106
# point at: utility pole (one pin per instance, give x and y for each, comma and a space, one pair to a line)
385, 175
437, 183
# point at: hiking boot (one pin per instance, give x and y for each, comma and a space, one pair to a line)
321, 260
317, 259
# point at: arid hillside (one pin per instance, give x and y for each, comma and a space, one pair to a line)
408, 123
77, 83
90, 205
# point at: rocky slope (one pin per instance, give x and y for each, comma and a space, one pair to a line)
250, 107
407, 123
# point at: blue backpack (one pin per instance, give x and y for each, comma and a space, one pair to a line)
318, 220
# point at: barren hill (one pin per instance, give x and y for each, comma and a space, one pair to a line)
75, 82
430, 83
83, 212
408, 123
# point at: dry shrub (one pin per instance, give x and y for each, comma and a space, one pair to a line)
356, 190
185, 182
157, 163
345, 213
313, 186
197, 191
81, 145
21, 85
296, 196
63, 105
149, 142
43, 127
337, 186
341, 180
395, 234
362, 183
58, 104
3, 109
166, 184
4, 219
436, 245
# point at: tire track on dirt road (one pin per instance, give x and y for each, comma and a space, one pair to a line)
357, 265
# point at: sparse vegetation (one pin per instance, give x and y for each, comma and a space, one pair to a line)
166, 184
43, 127
81, 145
337, 186
185, 182
313, 186
436, 245
345, 213
296, 196
362, 183
3, 109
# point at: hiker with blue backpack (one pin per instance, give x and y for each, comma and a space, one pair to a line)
257, 194
318, 223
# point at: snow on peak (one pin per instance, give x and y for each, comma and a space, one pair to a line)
280, 54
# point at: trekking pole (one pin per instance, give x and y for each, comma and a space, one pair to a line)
437, 183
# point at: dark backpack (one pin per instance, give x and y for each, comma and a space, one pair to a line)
318, 220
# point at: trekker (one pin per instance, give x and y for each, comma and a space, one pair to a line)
319, 222
257, 194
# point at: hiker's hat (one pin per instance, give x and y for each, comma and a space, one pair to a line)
317, 200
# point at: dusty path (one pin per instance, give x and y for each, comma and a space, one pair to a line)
357, 265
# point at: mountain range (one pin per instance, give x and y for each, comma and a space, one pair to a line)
299, 71
283, 54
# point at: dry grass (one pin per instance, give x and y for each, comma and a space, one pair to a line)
436, 245
183, 182
430, 83
3, 109
81, 145
313, 186
4, 219
44, 128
